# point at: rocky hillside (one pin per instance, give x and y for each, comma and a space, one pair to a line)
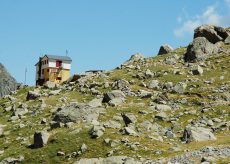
172, 108
7, 82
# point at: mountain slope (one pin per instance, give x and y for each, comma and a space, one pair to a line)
156, 109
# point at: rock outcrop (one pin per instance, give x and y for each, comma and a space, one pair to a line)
212, 33
200, 49
7, 82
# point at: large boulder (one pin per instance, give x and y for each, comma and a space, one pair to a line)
200, 49
32, 95
129, 118
76, 113
197, 134
7, 82
212, 33
165, 49
40, 139
112, 95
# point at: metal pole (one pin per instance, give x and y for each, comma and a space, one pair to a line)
25, 76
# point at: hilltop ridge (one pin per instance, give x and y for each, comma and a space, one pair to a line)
174, 108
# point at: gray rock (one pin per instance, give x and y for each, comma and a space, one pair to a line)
197, 70
32, 95
144, 94
162, 98
95, 103
162, 107
83, 148
130, 131
7, 82
116, 102
55, 92
170, 61
165, 49
153, 84
200, 49
180, 87
129, 118
49, 85
136, 57
20, 112
77, 112
212, 33
54, 125
2, 129
208, 159
97, 131
148, 73
197, 134
14, 118
169, 134
112, 124
161, 116
40, 139
120, 84
11, 160
112, 95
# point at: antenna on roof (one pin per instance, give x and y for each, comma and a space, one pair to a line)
66, 52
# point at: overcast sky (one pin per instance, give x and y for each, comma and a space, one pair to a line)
98, 34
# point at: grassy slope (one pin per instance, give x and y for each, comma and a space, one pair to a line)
68, 141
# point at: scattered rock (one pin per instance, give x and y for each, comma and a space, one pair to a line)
83, 148
116, 102
97, 131
149, 74
165, 49
161, 116
154, 84
112, 124
162, 107
49, 85
95, 103
2, 129
129, 118
130, 131
32, 95
112, 95
40, 139
197, 70
180, 87
197, 134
